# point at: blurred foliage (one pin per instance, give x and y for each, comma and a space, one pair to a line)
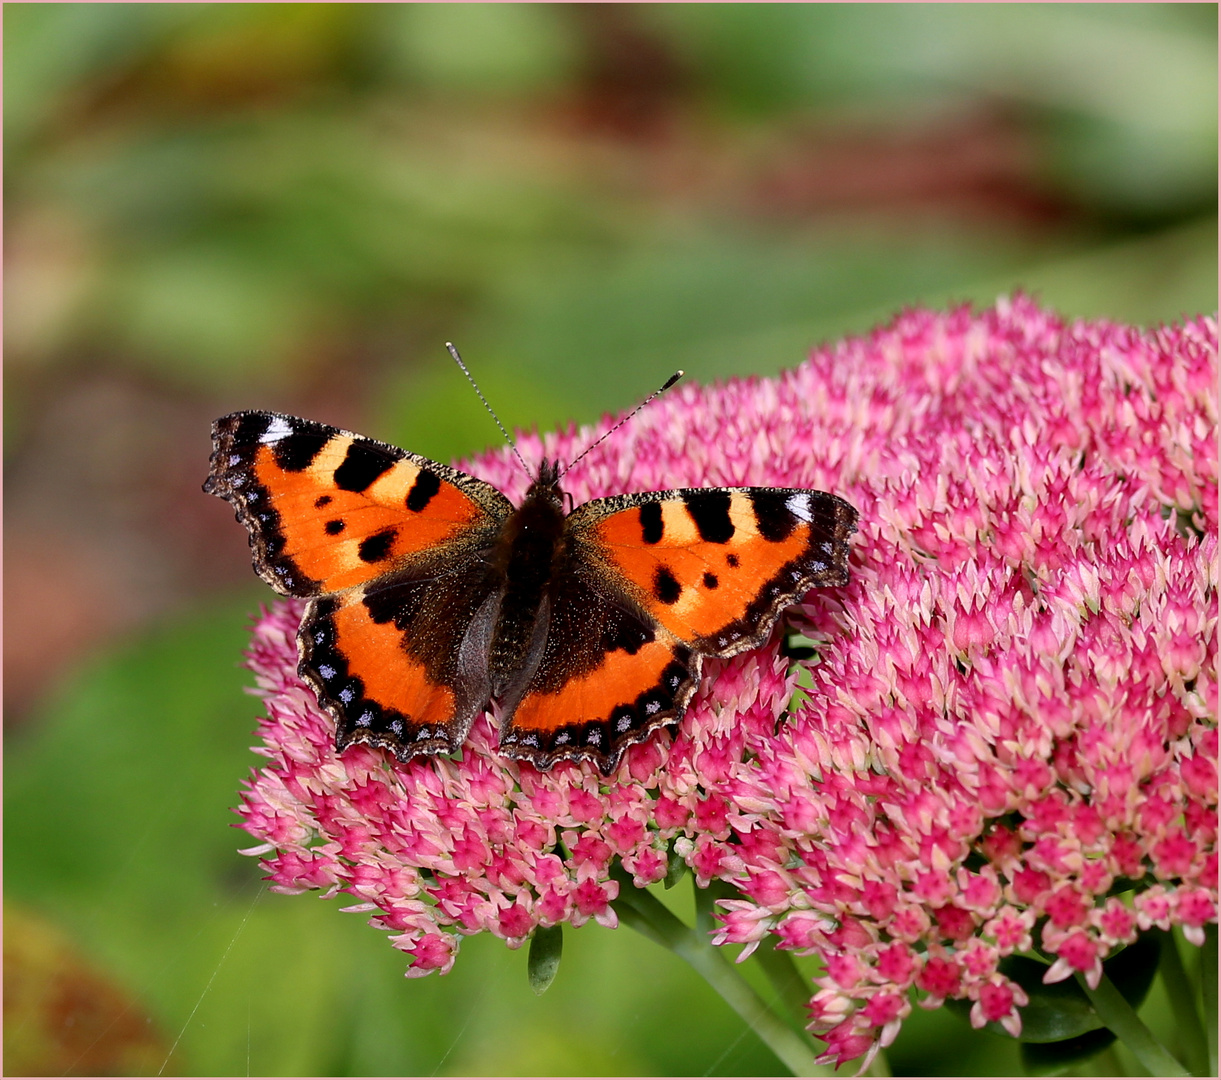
235, 195
62, 1017
266, 204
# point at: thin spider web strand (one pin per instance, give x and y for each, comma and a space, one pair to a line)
212, 978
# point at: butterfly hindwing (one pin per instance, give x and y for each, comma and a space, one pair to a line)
608, 675
402, 664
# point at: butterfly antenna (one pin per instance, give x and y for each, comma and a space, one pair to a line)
471, 379
606, 435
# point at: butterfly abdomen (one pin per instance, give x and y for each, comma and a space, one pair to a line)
524, 561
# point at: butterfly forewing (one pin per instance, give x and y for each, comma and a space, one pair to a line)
328, 510
716, 565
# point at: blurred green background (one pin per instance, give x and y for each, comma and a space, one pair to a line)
293, 206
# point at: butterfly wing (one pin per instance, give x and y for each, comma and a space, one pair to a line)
715, 566
388, 547
652, 583
402, 663
328, 510
607, 676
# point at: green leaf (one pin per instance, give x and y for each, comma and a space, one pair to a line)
1056, 1011
546, 948
797, 646
676, 868
1050, 1058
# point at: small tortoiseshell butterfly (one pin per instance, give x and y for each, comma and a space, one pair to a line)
431, 594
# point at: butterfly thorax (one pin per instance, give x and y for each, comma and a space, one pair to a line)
524, 562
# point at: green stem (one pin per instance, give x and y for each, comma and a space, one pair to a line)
1208, 987
1183, 1005
792, 987
644, 913
1120, 1017
794, 990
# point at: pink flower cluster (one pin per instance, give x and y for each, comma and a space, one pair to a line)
1007, 737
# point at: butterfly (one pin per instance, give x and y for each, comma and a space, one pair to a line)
431, 595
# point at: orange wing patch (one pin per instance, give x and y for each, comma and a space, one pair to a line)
340, 538
328, 510
381, 693
389, 676
599, 712
707, 564
618, 680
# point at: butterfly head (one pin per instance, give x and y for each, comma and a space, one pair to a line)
546, 485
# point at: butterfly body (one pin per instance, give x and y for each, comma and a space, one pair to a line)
527, 559
431, 594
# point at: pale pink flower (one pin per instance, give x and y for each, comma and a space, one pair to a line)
1012, 704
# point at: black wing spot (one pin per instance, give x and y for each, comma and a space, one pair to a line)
361, 466
321, 501
731, 560
376, 547
710, 512
627, 634
710, 581
295, 453
665, 586
427, 484
247, 427
399, 603
651, 528
334, 528
775, 520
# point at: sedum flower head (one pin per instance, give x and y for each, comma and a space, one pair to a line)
1006, 737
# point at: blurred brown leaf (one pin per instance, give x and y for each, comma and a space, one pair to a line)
65, 1016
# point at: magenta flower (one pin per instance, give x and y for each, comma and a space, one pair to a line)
1004, 743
